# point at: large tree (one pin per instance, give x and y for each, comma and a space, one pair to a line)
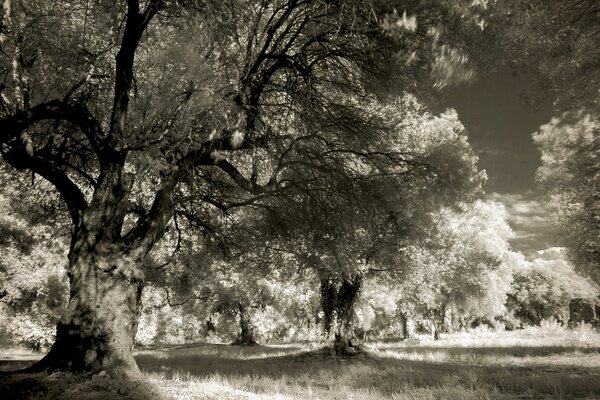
356, 223
140, 112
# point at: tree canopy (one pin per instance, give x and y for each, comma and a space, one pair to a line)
140, 113
570, 173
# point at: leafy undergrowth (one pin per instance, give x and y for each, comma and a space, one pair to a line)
534, 364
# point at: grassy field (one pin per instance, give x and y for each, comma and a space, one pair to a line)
531, 364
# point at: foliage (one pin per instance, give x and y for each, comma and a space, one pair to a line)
462, 266
543, 287
144, 115
33, 288
558, 41
570, 173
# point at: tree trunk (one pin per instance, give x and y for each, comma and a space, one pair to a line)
210, 327
328, 304
344, 341
246, 336
337, 305
404, 321
97, 330
437, 321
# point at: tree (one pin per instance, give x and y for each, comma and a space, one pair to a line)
355, 224
462, 269
33, 288
570, 174
544, 286
557, 40
138, 112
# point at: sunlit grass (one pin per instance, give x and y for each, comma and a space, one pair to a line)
534, 363
551, 362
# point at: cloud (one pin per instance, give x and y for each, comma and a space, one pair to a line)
530, 220
550, 254
552, 261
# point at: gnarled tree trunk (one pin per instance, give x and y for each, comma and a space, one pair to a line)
97, 330
337, 303
246, 335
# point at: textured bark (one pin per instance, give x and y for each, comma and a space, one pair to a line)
438, 316
337, 303
246, 335
328, 303
405, 321
96, 332
346, 298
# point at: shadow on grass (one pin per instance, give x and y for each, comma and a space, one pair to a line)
13, 365
398, 368
227, 350
380, 373
60, 386
513, 351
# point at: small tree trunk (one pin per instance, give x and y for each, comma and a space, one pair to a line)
404, 321
97, 330
437, 321
246, 336
210, 327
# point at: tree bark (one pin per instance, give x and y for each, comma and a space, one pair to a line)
328, 304
337, 303
438, 316
346, 298
96, 332
404, 321
246, 336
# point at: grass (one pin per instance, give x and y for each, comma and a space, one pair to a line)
529, 364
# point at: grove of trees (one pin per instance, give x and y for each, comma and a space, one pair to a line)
263, 164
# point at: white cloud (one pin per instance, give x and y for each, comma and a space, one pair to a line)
529, 218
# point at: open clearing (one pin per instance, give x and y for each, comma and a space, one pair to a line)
529, 364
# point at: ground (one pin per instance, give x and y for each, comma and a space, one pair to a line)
536, 363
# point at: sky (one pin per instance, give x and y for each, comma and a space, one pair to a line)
499, 122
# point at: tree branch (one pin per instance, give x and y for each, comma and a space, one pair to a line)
135, 25
11, 127
69, 191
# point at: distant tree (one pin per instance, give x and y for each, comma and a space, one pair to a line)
356, 222
240, 281
33, 282
376, 311
570, 174
543, 287
461, 268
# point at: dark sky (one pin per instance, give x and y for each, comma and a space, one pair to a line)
500, 124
